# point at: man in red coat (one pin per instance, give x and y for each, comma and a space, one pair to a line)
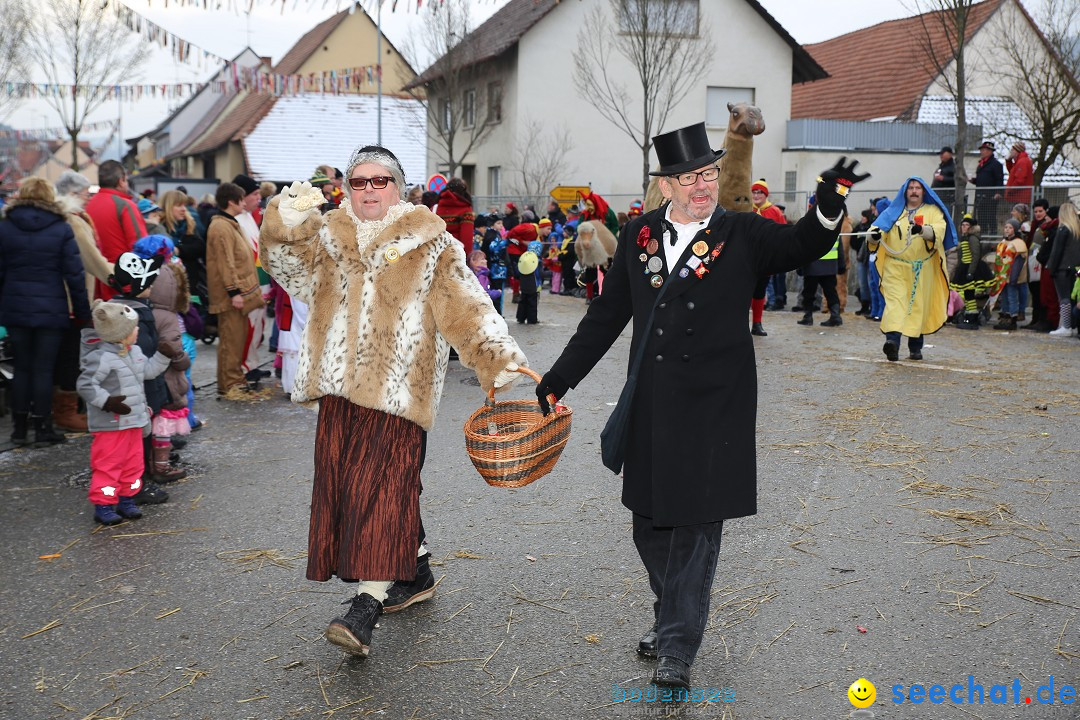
517, 242
117, 219
1021, 174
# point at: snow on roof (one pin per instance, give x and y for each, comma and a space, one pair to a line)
1006, 123
304, 131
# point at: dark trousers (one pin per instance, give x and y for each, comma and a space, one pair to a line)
35, 351
681, 562
914, 344
66, 373
527, 307
828, 287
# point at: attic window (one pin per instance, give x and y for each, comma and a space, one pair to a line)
658, 17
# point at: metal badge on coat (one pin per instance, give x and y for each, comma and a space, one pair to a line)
656, 281
655, 264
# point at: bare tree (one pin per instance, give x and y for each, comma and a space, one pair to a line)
541, 161
460, 93
1041, 73
12, 46
943, 44
664, 42
79, 43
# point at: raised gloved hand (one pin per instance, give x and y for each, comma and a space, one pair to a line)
115, 404
550, 390
916, 229
506, 376
833, 186
296, 200
874, 234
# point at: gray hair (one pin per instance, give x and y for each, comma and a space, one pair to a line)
378, 155
71, 183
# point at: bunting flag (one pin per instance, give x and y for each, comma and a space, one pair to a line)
232, 79
182, 50
58, 132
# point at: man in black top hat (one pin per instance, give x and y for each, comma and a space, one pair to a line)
944, 182
690, 456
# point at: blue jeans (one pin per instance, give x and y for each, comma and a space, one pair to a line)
776, 290
191, 348
914, 344
681, 562
877, 300
1014, 299
864, 282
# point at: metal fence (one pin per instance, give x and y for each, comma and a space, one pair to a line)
990, 206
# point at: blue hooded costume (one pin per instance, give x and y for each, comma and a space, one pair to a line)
913, 277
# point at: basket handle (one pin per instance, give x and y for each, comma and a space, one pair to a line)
524, 371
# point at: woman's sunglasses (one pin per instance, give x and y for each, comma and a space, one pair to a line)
378, 182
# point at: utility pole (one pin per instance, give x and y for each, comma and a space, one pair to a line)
378, 73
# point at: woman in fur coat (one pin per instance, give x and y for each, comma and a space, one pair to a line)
388, 292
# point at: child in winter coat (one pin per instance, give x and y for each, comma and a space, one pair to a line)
132, 280
169, 297
113, 372
529, 277
1012, 255
478, 260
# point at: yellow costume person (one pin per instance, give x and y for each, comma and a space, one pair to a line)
910, 239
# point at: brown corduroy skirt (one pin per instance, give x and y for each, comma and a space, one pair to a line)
365, 502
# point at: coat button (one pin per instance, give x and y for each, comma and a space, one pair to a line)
659, 332
662, 305
686, 358
690, 305
659, 358
689, 331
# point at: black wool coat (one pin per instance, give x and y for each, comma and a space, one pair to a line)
691, 454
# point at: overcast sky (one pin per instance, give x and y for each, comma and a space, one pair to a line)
271, 32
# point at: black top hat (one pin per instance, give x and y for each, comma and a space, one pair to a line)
684, 149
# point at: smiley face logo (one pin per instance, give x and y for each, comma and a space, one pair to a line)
862, 693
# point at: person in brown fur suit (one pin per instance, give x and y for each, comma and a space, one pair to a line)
388, 292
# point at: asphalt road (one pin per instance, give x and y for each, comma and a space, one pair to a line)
932, 505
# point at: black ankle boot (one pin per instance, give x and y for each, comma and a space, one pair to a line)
834, 317
44, 435
807, 319
352, 633
22, 425
403, 593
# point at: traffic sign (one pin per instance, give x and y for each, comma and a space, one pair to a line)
436, 183
567, 195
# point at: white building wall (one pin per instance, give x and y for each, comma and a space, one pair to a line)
748, 54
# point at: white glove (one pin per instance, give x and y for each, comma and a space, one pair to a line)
296, 200
508, 375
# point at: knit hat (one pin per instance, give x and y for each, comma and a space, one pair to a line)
247, 184
760, 185
1019, 146
1015, 224
319, 179
545, 222
113, 321
133, 274
147, 206
153, 245
968, 218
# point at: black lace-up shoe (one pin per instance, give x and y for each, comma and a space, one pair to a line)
352, 633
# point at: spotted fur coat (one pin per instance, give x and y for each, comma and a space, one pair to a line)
386, 301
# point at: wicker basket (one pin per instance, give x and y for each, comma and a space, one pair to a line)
512, 442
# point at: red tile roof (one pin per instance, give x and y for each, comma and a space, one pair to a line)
875, 72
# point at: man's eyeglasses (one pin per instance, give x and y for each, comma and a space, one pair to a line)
708, 175
378, 182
